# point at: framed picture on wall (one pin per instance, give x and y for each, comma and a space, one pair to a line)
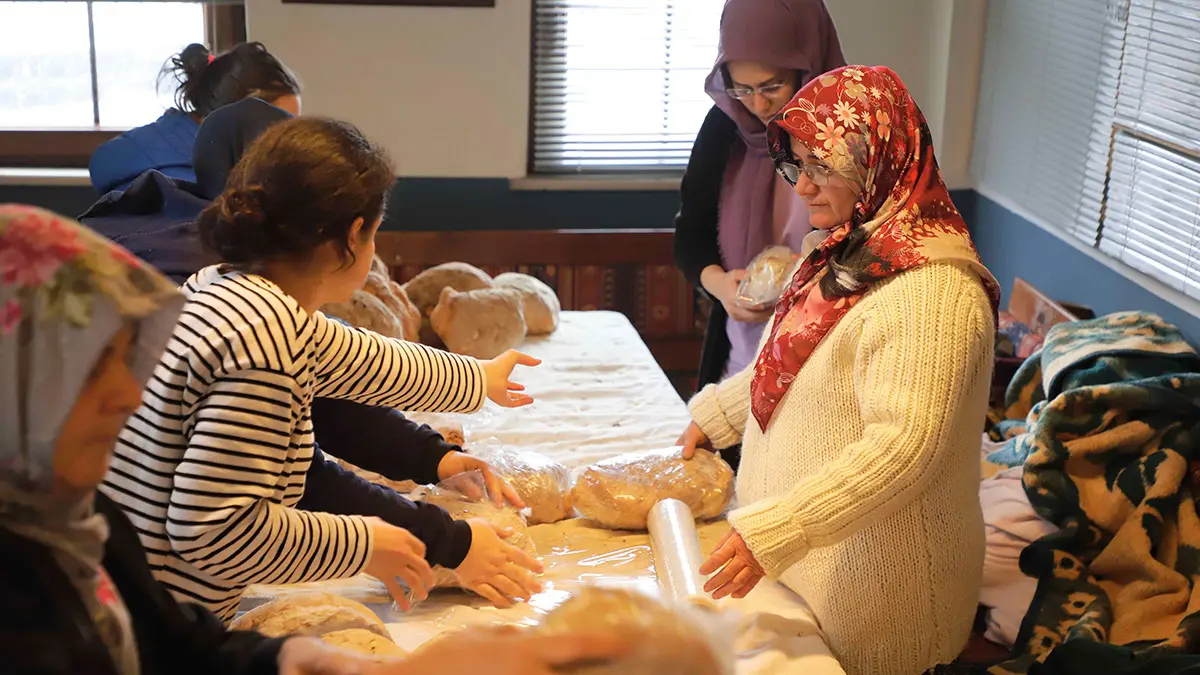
405, 3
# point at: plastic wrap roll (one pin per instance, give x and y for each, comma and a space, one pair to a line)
676, 546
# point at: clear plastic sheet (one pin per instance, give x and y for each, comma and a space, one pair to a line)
619, 492
667, 637
766, 277
543, 484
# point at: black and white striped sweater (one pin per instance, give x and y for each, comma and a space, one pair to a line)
209, 467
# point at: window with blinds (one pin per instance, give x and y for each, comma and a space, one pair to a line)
1152, 217
1088, 120
618, 85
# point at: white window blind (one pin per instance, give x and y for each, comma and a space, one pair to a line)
618, 85
1088, 119
1152, 218
1041, 96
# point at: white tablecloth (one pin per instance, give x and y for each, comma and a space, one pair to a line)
599, 392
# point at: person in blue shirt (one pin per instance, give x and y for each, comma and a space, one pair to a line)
204, 83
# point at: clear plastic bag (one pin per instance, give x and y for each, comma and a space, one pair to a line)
466, 496
766, 278
542, 483
667, 637
619, 492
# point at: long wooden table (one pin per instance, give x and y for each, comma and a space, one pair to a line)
599, 392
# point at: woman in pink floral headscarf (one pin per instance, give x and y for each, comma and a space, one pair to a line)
860, 418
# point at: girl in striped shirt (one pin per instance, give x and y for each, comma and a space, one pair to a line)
211, 465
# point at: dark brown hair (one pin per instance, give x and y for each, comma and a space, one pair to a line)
205, 82
302, 183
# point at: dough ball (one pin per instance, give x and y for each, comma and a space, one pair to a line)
540, 303
619, 492
310, 614
464, 497
425, 289
665, 639
368, 312
543, 484
483, 323
363, 642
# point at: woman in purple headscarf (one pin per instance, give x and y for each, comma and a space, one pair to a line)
733, 203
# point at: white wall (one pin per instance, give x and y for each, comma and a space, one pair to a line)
447, 90
444, 89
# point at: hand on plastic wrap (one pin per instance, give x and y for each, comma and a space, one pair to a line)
496, 570
766, 278
501, 390
543, 484
455, 463
510, 651
724, 287
693, 438
739, 570
398, 554
501, 550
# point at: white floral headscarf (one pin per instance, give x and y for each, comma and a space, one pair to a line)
65, 292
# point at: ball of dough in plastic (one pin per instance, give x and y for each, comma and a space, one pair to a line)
363, 642
619, 492
310, 614
664, 638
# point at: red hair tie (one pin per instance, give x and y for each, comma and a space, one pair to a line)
210, 58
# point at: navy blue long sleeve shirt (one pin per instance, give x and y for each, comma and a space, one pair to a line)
384, 441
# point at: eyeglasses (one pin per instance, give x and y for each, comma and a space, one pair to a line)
766, 90
818, 175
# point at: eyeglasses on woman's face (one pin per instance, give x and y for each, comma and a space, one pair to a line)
817, 174
769, 90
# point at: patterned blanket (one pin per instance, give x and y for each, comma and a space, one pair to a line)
1109, 421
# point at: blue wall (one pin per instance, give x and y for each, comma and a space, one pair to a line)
1011, 246
456, 204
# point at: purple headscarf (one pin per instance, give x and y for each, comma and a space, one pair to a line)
794, 34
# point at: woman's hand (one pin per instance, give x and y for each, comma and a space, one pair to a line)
693, 438
740, 572
397, 553
499, 388
723, 286
455, 463
496, 569
508, 651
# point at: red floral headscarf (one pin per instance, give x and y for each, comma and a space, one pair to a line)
863, 124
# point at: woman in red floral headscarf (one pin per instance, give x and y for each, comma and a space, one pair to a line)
860, 419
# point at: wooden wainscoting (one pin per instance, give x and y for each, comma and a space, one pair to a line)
629, 271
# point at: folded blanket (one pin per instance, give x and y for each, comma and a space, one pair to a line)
1112, 422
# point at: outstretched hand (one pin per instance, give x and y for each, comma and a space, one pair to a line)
500, 389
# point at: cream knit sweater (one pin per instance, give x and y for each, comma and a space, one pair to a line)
863, 493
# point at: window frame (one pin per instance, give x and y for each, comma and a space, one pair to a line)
224, 27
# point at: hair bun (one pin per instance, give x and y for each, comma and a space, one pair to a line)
194, 59
235, 226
